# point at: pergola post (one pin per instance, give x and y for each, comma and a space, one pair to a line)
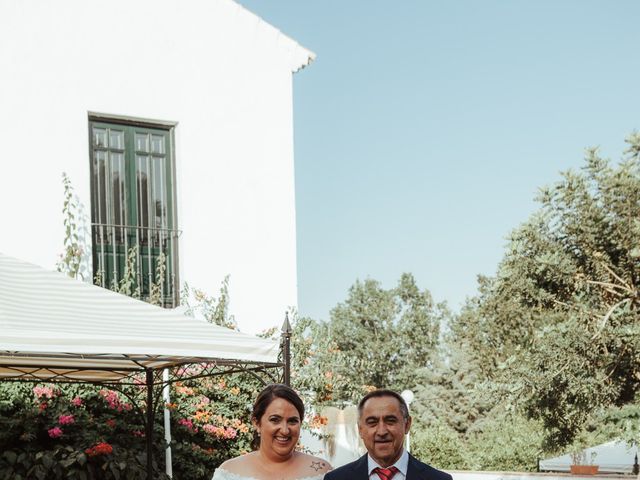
149, 424
286, 349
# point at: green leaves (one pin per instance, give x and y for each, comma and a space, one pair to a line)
556, 322
10, 457
214, 309
70, 261
369, 341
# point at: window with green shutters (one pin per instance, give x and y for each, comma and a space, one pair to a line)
134, 231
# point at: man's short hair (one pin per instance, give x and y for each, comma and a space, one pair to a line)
404, 408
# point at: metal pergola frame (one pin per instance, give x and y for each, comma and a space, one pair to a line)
208, 367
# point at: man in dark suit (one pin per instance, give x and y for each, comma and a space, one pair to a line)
383, 422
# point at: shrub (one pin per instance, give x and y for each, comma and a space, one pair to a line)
89, 432
440, 445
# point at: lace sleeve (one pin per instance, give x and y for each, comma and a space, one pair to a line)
220, 474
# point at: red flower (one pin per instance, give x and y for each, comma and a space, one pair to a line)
102, 448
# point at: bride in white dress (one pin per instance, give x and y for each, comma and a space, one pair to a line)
276, 417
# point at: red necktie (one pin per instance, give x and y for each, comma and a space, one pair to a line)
385, 473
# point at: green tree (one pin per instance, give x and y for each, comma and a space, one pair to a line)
557, 327
440, 445
375, 338
450, 393
312, 361
505, 440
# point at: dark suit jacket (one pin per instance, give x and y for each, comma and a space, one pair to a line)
358, 471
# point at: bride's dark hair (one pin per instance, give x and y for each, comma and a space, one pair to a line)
268, 395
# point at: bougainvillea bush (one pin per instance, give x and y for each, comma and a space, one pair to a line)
53, 431
77, 432
210, 422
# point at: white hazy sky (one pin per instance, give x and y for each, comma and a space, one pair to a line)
424, 128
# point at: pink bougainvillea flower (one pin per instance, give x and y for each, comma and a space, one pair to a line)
189, 424
220, 432
55, 432
76, 402
66, 419
43, 392
113, 400
211, 429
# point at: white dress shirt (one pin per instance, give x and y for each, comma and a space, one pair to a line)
402, 464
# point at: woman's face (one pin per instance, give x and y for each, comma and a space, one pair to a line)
279, 428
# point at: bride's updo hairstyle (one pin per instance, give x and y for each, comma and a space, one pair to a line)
264, 399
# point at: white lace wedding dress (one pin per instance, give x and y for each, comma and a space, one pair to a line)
221, 474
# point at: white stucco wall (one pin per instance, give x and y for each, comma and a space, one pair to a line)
219, 71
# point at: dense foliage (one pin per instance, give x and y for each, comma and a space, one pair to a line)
51, 432
80, 431
369, 342
557, 328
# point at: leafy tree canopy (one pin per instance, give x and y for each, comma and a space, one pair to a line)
557, 327
376, 338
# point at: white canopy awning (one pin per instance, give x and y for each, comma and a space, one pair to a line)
52, 326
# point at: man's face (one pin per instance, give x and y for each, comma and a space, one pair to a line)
382, 428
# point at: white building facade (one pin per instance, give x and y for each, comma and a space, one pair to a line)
173, 121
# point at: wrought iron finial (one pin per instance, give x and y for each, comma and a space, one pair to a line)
286, 350
286, 326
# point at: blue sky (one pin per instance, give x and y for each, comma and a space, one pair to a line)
424, 128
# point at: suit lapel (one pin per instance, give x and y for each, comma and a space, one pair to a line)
361, 468
414, 469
